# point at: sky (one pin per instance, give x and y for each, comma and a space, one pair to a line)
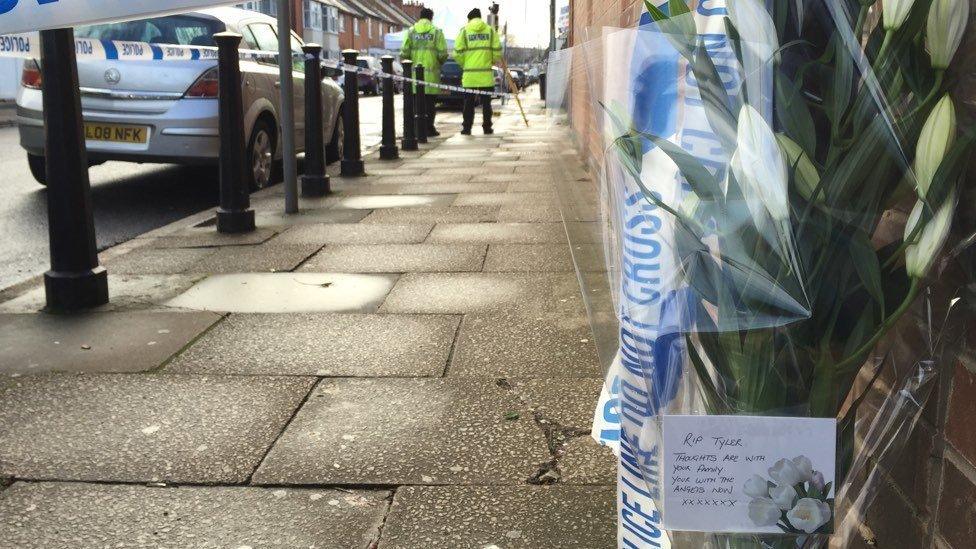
528, 20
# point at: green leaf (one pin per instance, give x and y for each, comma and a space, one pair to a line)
718, 105
656, 14
704, 184
794, 116
842, 81
867, 266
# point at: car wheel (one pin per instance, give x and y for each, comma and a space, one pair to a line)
260, 155
37, 168
336, 146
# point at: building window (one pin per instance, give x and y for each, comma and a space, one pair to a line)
342, 23
329, 15
268, 7
369, 27
313, 14
355, 26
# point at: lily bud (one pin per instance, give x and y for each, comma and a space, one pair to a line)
894, 13
943, 30
920, 255
755, 26
806, 175
759, 166
934, 141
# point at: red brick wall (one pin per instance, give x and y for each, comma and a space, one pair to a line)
927, 493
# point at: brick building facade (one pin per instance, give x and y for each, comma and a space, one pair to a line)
927, 496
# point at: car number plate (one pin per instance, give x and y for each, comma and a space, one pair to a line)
116, 133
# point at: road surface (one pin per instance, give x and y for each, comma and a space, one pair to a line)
129, 199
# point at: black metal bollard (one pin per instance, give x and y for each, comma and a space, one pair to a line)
75, 281
421, 101
409, 142
388, 150
234, 214
315, 182
542, 86
352, 162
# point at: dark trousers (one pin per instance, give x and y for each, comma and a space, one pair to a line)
468, 113
431, 110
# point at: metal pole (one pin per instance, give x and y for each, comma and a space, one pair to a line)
315, 182
552, 25
75, 281
542, 86
287, 107
409, 142
352, 164
234, 214
388, 150
421, 101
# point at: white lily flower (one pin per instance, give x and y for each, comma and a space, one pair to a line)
759, 166
783, 496
805, 467
755, 26
785, 472
809, 514
764, 512
806, 175
943, 30
937, 135
894, 13
818, 481
920, 255
756, 487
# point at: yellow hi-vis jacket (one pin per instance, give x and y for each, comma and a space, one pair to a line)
425, 45
476, 49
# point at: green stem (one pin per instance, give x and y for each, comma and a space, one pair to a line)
864, 349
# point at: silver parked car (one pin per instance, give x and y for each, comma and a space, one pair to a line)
166, 111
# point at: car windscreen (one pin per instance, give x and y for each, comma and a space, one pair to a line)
363, 63
174, 29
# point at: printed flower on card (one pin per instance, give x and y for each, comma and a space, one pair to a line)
795, 498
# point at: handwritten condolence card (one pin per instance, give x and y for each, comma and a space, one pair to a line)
749, 474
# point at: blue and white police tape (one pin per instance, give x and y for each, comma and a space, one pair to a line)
27, 45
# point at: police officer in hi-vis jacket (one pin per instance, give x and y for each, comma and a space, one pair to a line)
476, 49
425, 45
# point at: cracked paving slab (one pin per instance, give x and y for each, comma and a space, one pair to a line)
48, 515
353, 345
507, 517
126, 292
397, 258
407, 431
142, 428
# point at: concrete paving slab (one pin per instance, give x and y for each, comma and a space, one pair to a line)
458, 293
503, 198
397, 258
510, 517
146, 260
568, 402
125, 292
278, 219
142, 428
265, 258
452, 214
348, 345
584, 461
525, 345
531, 186
528, 258
426, 178
392, 201
499, 233
406, 431
49, 515
535, 212
359, 233
208, 237
96, 342
287, 292
451, 188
